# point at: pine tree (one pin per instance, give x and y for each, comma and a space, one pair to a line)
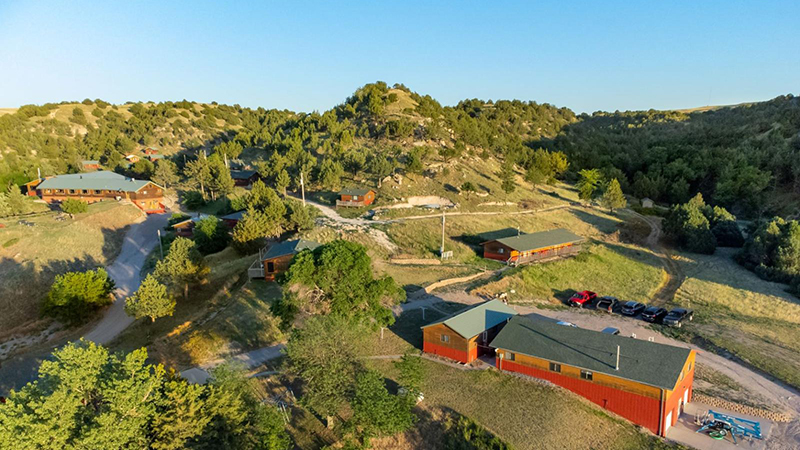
588, 181
150, 300
166, 173
613, 196
507, 178
282, 181
182, 266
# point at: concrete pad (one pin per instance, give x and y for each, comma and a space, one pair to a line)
684, 431
196, 375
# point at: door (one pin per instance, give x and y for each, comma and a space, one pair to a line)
685, 397
270, 267
668, 422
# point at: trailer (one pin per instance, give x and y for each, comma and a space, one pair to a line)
720, 425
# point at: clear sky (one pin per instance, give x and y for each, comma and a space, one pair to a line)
303, 56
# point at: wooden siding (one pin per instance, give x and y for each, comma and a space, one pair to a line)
501, 252
459, 349
640, 403
363, 200
148, 198
280, 265
674, 398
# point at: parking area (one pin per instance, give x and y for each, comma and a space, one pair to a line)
685, 431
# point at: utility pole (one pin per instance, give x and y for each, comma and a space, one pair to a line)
160, 244
302, 188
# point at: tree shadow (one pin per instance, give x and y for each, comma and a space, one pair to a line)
603, 224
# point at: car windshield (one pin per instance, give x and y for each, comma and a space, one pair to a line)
651, 310
630, 304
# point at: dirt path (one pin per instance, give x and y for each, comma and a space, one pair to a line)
675, 276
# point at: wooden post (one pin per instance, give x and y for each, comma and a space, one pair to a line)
381, 333
302, 188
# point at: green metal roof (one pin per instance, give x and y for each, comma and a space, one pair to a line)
542, 239
646, 362
499, 234
290, 247
354, 191
242, 174
94, 180
234, 216
477, 319
89, 161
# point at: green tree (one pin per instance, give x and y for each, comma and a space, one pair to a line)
198, 173
220, 183
301, 218
613, 196
74, 206
377, 412
330, 174
182, 266
448, 153
688, 225
15, 200
166, 173
250, 233
150, 300
75, 295
588, 182
282, 181
229, 150
143, 168
507, 182
211, 235
325, 354
411, 374
78, 116
414, 163
468, 187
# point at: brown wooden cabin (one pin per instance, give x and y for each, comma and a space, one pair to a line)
521, 248
102, 185
132, 158
90, 165
644, 382
232, 219
244, 177
465, 336
355, 197
185, 228
276, 258
154, 157
150, 151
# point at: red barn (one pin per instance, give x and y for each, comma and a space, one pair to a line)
464, 336
355, 197
520, 247
644, 382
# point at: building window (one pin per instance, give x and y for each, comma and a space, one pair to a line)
586, 375
445, 338
511, 356
72, 191
501, 250
97, 191
270, 267
85, 191
355, 198
144, 192
47, 191
555, 367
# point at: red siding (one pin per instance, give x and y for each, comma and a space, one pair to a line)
636, 408
457, 355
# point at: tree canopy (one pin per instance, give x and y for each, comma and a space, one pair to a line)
75, 295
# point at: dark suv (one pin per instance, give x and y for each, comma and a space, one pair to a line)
632, 308
654, 314
607, 303
676, 317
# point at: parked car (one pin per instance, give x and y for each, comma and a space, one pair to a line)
566, 324
676, 317
610, 330
632, 308
581, 299
607, 303
654, 314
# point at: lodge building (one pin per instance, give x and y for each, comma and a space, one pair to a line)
94, 187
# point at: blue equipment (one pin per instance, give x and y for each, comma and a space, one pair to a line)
721, 425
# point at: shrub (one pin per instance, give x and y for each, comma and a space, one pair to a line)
74, 206
75, 295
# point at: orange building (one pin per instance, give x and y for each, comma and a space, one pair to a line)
644, 382
464, 336
355, 197
515, 247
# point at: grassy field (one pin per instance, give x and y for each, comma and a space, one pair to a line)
31, 257
225, 315
625, 271
737, 312
422, 238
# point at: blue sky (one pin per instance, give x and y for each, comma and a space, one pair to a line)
588, 56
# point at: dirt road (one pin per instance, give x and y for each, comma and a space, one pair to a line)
676, 277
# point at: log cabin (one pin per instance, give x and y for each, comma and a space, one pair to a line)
465, 335
523, 247
355, 197
645, 382
244, 178
98, 186
276, 258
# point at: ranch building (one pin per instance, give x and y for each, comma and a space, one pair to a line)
355, 197
522, 248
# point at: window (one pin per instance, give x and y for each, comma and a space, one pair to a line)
690, 367
85, 191
445, 338
97, 191
586, 375
144, 192
47, 191
501, 250
511, 356
72, 191
355, 198
270, 267
555, 367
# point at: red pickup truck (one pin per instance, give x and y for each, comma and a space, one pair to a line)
581, 299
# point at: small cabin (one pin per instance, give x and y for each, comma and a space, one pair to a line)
647, 203
276, 258
355, 197
150, 151
153, 157
185, 228
522, 248
132, 158
465, 336
90, 165
232, 219
244, 178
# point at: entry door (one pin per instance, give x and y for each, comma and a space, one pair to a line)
685, 397
668, 423
270, 267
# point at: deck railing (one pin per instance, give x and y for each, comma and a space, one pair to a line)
349, 203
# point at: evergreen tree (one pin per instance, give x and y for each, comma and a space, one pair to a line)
282, 181
377, 412
613, 196
588, 182
508, 184
182, 266
75, 295
166, 173
150, 300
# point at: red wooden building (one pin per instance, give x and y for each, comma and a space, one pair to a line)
464, 336
519, 248
355, 197
244, 177
644, 382
88, 165
94, 187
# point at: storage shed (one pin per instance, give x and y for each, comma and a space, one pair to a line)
465, 335
355, 197
524, 247
644, 382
